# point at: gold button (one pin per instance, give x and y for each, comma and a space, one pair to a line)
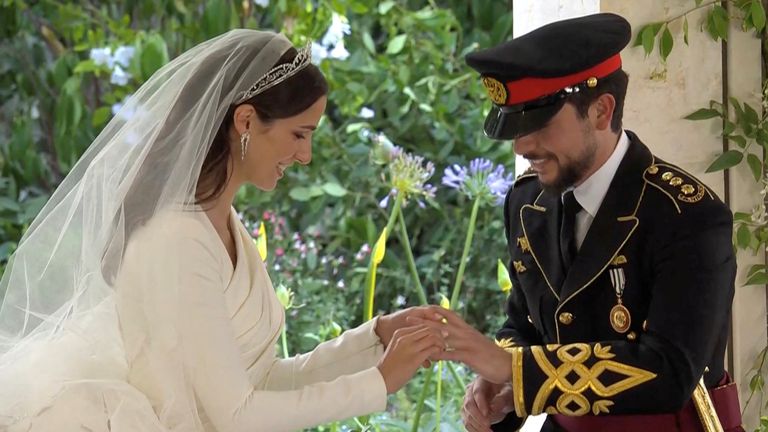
687, 189
566, 318
592, 82
645, 325
676, 181
530, 320
667, 176
653, 169
631, 336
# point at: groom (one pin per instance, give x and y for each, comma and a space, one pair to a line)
623, 268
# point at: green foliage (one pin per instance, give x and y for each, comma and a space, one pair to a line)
405, 64
751, 14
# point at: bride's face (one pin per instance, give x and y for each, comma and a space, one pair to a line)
275, 146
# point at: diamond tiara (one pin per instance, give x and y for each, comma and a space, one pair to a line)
278, 74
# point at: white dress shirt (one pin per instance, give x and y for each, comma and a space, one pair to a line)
591, 192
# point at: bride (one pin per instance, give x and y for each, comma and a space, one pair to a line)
136, 300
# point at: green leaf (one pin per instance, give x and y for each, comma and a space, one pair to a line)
703, 114
100, 116
397, 44
756, 165
738, 139
648, 37
759, 278
741, 216
743, 237
154, 55
86, 66
685, 30
751, 115
334, 189
756, 268
385, 7
9, 204
729, 127
720, 21
300, 193
665, 43
368, 42
726, 160
758, 15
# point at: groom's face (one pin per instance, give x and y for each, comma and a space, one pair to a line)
562, 152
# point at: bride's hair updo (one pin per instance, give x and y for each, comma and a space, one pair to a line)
287, 99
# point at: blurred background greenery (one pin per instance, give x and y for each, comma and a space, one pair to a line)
397, 75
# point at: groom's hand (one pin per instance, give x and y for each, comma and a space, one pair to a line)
469, 346
485, 403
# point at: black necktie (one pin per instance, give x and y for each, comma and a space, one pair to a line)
567, 229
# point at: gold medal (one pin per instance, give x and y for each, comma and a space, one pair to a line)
620, 318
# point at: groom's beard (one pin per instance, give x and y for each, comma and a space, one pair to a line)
573, 171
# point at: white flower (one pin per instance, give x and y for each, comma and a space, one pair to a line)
102, 56
262, 3
119, 76
116, 108
123, 55
319, 52
339, 51
34, 112
400, 300
340, 284
124, 112
367, 113
335, 34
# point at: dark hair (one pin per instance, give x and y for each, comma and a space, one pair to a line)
614, 84
287, 99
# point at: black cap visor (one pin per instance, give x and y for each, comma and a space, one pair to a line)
510, 122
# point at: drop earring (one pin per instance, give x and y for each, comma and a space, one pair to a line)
245, 139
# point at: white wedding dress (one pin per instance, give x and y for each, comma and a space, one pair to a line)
198, 348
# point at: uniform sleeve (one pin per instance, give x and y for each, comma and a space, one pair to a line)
693, 271
221, 380
355, 350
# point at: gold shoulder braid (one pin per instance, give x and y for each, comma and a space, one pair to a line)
677, 184
573, 370
529, 173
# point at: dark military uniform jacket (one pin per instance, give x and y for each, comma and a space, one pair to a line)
663, 238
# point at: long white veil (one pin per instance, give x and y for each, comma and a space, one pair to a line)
58, 324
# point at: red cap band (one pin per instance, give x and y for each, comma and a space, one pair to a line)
528, 89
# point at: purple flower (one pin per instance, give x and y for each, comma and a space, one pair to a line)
480, 180
454, 176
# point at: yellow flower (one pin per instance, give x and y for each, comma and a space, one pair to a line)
444, 302
502, 276
285, 295
261, 242
380, 247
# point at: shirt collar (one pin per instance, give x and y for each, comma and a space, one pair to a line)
591, 192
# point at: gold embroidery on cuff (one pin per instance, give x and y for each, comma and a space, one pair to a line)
572, 358
506, 344
517, 381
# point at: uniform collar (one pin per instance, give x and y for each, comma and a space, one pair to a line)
591, 192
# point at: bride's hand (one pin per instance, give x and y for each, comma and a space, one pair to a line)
387, 324
408, 349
